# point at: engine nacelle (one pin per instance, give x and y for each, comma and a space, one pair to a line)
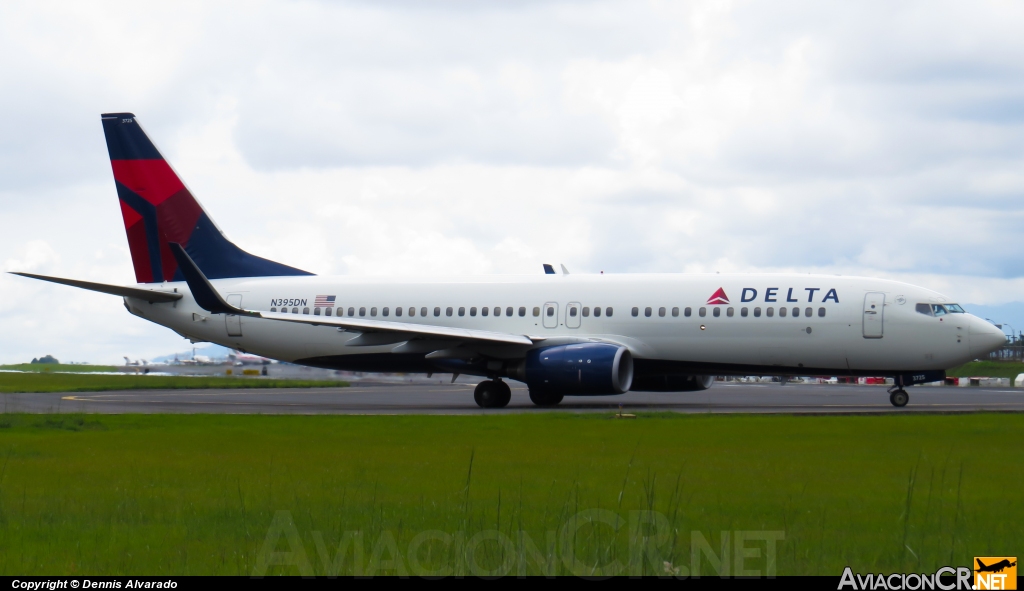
672, 383
580, 369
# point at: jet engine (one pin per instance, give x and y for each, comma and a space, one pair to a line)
579, 369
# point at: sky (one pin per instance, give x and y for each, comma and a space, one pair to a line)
458, 138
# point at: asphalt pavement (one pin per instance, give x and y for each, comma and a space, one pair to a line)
443, 398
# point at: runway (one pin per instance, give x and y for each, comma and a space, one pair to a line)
420, 398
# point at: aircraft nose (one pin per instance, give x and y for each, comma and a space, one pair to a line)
985, 338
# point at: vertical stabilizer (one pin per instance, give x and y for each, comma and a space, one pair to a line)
158, 209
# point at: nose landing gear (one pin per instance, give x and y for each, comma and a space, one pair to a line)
492, 394
899, 397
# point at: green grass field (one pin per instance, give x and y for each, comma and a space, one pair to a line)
505, 493
990, 369
58, 382
55, 367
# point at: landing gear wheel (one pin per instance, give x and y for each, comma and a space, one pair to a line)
492, 394
545, 398
899, 398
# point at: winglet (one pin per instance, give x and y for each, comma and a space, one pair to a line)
204, 293
548, 269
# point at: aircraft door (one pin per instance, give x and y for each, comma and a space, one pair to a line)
551, 315
874, 313
234, 323
572, 315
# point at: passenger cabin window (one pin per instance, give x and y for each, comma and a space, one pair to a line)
437, 310
675, 312
462, 310
608, 311
385, 311
316, 311
702, 312
647, 311
351, 311
362, 311
412, 311
448, 311
551, 311
661, 312
635, 312
743, 312
295, 310
305, 310
782, 312
687, 312
536, 310
327, 311
716, 312
522, 310
597, 311
508, 311
472, 311
821, 312
729, 312
373, 311
769, 312
484, 311
796, 312
808, 312
757, 312
273, 309
586, 312
572, 311
398, 311
423, 311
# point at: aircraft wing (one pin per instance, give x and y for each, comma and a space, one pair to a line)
208, 298
420, 330
150, 295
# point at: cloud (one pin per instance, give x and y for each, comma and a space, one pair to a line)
446, 138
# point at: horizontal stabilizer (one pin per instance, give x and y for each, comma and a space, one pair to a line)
150, 295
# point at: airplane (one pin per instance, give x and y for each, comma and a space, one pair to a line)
994, 568
239, 358
560, 334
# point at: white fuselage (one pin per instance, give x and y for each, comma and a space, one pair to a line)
827, 325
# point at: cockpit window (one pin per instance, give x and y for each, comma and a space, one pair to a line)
954, 309
938, 310
924, 309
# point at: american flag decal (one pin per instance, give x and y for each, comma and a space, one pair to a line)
324, 301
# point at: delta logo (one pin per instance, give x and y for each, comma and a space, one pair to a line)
995, 572
718, 297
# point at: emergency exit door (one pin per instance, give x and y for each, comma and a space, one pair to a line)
874, 315
551, 315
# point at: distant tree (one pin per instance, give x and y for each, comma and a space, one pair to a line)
46, 359
34, 360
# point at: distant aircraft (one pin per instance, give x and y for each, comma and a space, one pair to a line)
560, 334
994, 568
239, 358
136, 362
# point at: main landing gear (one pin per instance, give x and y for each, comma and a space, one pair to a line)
492, 394
898, 397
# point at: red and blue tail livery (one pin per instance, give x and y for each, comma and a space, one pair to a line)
158, 210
